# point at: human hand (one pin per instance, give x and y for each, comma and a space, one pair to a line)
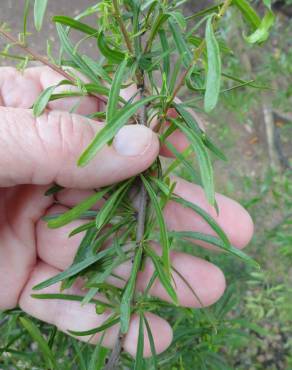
35, 153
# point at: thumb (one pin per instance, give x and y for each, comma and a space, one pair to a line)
43, 150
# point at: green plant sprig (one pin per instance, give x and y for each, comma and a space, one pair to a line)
138, 42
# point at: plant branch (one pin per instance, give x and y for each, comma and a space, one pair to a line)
43, 60
198, 52
122, 26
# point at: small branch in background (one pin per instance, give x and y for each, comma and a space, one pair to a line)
43, 60
279, 149
269, 127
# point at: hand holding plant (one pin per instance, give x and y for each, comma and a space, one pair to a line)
106, 282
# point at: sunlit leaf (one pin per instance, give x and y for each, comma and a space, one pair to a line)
72, 53
75, 212
42, 101
40, 7
112, 55
249, 14
77, 25
262, 32
213, 78
113, 98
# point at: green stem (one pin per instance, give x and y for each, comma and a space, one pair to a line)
44, 60
122, 26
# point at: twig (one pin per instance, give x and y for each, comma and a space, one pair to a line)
269, 126
279, 149
122, 26
114, 358
44, 60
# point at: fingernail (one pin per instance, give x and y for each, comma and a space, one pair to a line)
132, 140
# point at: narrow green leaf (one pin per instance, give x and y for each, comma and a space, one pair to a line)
166, 50
40, 7
68, 297
216, 242
42, 101
214, 68
114, 56
164, 278
110, 206
262, 32
107, 133
248, 13
97, 69
36, 335
161, 185
188, 118
205, 165
81, 228
115, 89
162, 226
111, 321
210, 221
78, 210
152, 343
75, 269
187, 165
77, 25
213, 148
125, 307
75, 57
156, 26
139, 361
25, 16
85, 247
180, 43
179, 18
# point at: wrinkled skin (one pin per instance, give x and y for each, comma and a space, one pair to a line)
35, 153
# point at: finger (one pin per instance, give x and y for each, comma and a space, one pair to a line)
206, 279
232, 217
46, 149
21, 89
70, 315
20, 208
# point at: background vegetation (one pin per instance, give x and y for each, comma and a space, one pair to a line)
253, 320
